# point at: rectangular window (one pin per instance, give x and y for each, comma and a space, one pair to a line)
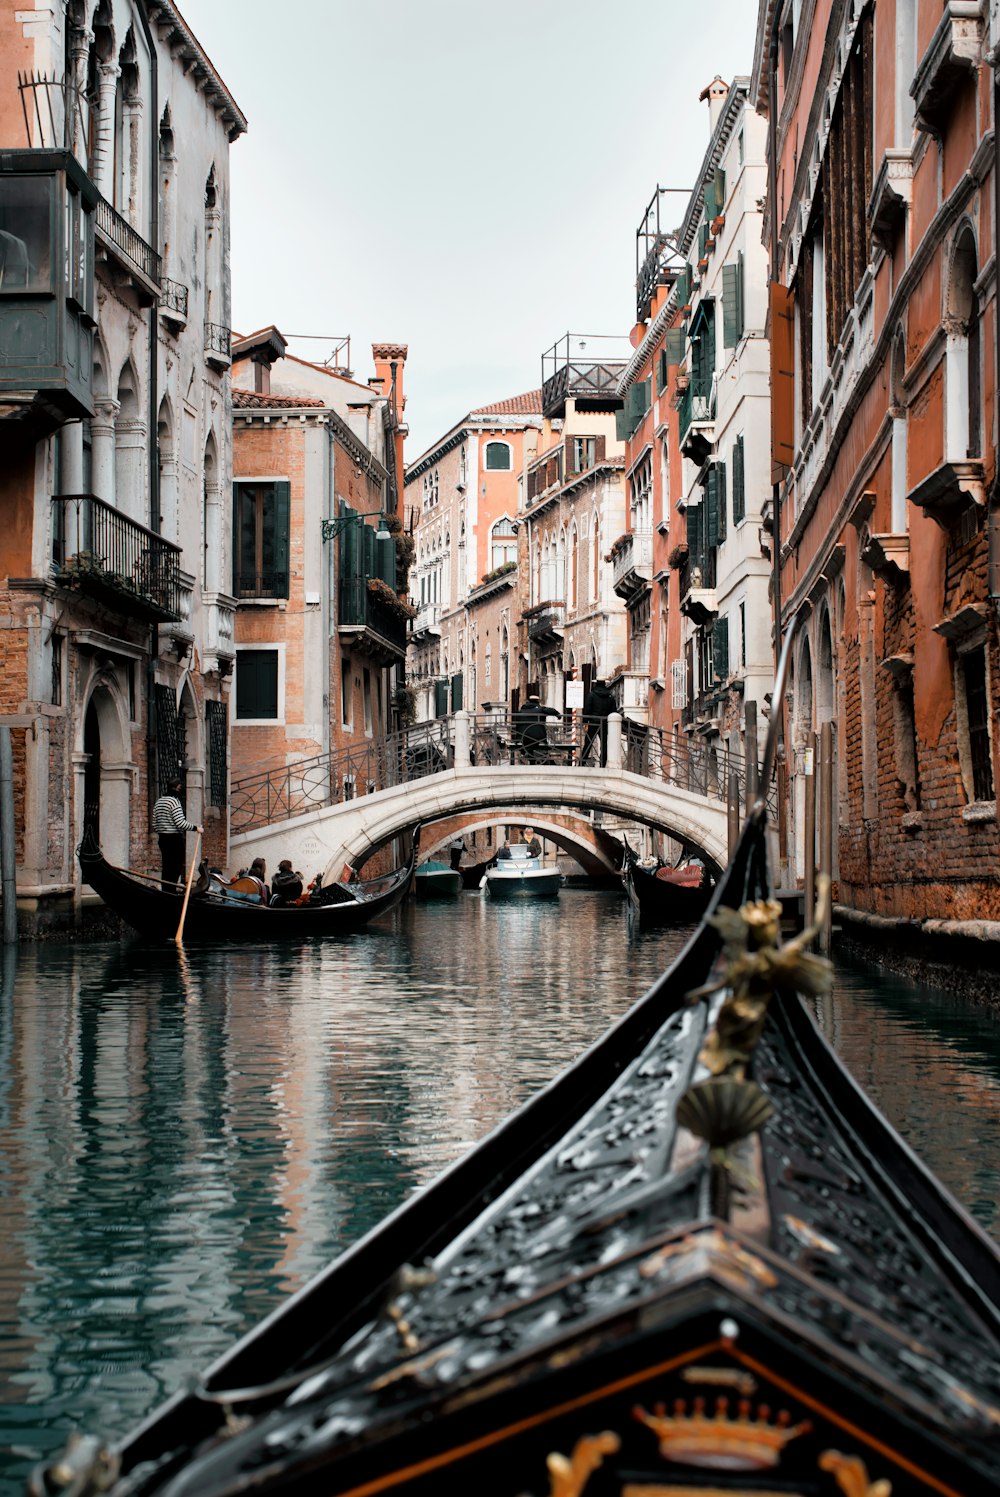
57, 670
848, 183
743, 636
720, 649
977, 715
584, 453
346, 703
257, 685
215, 732
739, 491
260, 539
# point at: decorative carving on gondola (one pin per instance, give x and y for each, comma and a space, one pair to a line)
851, 1475
569, 1477
695, 1436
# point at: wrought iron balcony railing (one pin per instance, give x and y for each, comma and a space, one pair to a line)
582, 366
104, 553
383, 623
174, 299
427, 621
696, 405
132, 252
633, 561
218, 343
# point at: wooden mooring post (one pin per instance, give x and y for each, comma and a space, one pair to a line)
825, 784
8, 871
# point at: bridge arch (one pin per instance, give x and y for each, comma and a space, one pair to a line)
348, 833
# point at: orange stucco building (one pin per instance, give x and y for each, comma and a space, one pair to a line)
881, 228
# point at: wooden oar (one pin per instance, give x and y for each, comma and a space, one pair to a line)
187, 890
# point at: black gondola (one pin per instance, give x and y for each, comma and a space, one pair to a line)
472, 873
660, 900
155, 912
698, 1261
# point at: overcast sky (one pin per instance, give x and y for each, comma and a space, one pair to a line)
461, 177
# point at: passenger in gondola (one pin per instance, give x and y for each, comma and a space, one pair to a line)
286, 886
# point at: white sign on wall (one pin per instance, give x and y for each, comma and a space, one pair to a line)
574, 695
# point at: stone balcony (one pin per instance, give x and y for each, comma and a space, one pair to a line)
632, 562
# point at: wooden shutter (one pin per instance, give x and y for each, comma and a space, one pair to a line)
712, 508
257, 683
739, 500
683, 287
694, 529
720, 483
741, 320
720, 649
782, 380
386, 553
441, 698
282, 525
456, 692
703, 235
622, 429
661, 372
730, 305
674, 346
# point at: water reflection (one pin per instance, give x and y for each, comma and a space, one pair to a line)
186, 1137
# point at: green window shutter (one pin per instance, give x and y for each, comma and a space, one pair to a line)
282, 525
647, 386
440, 698
674, 349
730, 305
350, 543
710, 209
739, 500
720, 649
622, 429
703, 235
683, 287
386, 563
718, 192
661, 372
236, 540
694, 535
456, 693
257, 683
636, 405
720, 469
712, 508
740, 295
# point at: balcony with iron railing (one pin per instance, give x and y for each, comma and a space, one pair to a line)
696, 407
697, 588
584, 367
427, 621
657, 257
632, 562
173, 301
104, 554
545, 621
372, 619
218, 345
135, 260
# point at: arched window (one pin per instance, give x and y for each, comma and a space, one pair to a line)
963, 376
573, 568
503, 543
498, 457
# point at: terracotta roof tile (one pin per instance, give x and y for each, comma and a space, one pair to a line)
529, 404
252, 399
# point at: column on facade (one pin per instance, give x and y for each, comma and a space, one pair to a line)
103, 164
130, 455
212, 580
102, 439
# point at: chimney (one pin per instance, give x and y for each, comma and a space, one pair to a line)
715, 93
389, 360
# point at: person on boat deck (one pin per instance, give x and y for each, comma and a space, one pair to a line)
286, 886
528, 723
597, 709
171, 827
504, 851
532, 843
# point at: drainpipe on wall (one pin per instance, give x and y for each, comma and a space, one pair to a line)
152, 443
781, 771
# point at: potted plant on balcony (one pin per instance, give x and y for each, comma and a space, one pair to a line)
399, 607
677, 557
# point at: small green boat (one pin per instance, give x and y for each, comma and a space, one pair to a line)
434, 880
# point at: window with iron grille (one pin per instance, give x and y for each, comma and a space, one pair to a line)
977, 716
169, 739
216, 733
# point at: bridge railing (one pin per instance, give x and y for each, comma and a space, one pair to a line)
260, 799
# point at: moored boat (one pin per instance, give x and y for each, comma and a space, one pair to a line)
667, 896
698, 1261
154, 910
522, 877
434, 880
473, 873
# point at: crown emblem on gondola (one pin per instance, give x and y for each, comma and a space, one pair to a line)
696, 1437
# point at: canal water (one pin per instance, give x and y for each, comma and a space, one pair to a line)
185, 1138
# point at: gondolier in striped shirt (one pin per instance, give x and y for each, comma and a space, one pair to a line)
170, 825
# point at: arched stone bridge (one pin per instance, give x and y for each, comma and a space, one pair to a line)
331, 836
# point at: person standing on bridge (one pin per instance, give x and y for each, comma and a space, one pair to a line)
597, 709
530, 735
